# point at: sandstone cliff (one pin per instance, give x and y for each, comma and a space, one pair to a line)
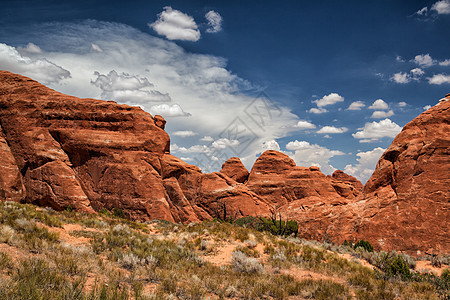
62, 151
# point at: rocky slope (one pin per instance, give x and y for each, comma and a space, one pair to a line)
62, 151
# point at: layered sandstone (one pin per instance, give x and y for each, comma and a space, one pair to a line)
62, 151
234, 169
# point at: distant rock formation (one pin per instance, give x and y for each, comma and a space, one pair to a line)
234, 169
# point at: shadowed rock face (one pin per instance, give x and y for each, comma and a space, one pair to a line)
61, 151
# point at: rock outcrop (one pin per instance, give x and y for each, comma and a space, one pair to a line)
234, 169
62, 151
276, 178
405, 205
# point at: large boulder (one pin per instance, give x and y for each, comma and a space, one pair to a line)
234, 169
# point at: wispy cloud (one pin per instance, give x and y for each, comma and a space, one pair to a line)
214, 21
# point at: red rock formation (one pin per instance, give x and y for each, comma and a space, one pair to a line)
276, 178
405, 204
408, 196
234, 169
345, 185
62, 151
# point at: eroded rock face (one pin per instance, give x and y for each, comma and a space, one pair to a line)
62, 151
411, 187
276, 178
234, 169
405, 205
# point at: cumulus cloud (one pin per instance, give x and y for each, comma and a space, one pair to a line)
357, 105
445, 63
271, 145
184, 133
175, 25
315, 110
424, 60
168, 110
441, 7
379, 104
329, 100
31, 48
439, 79
402, 104
379, 114
367, 162
224, 143
423, 11
42, 70
426, 107
306, 154
126, 88
401, 77
198, 84
376, 130
207, 138
214, 21
332, 129
302, 124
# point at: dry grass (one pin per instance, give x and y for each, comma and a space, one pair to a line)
106, 257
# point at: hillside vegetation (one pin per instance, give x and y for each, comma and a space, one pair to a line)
46, 254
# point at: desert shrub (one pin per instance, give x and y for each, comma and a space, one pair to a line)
393, 265
364, 244
243, 264
5, 261
271, 225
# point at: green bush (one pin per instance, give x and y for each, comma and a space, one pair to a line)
364, 244
273, 226
393, 265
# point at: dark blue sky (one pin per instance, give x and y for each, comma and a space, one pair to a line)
295, 51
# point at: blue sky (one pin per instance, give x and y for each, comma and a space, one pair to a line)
329, 83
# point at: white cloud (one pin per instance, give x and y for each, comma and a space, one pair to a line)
31, 48
417, 72
399, 58
329, 100
270, 145
423, 11
168, 110
332, 129
42, 69
184, 133
445, 63
402, 104
424, 60
441, 7
376, 130
439, 79
379, 114
306, 154
207, 138
214, 21
401, 77
367, 162
96, 47
175, 25
126, 88
302, 124
317, 110
357, 105
426, 107
224, 143
217, 100
379, 105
